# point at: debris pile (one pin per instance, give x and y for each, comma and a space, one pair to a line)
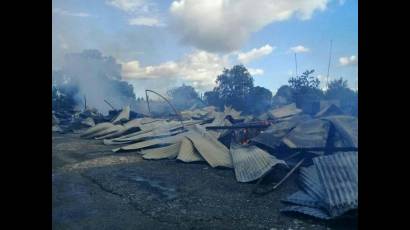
322, 148
329, 187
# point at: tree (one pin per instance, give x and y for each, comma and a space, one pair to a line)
306, 88
212, 98
183, 97
260, 99
339, 90
234, 86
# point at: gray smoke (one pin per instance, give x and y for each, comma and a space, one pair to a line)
97, 78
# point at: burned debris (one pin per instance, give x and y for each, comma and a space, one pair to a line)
317, 142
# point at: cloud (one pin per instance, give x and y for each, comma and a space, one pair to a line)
68, 13
128, 5
299, 49
347, 61
255, 53
224, 26
255, 72
198, 69
145, 21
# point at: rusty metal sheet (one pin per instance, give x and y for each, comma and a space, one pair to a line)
251, 162
213, 151
187, 152
167, 152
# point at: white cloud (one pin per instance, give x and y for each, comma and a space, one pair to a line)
68, 13
128, 5
145, 21
255, 53
198, 69
346, 61
255, 72
223, 26
299, 49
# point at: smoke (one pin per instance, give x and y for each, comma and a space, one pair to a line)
97, 78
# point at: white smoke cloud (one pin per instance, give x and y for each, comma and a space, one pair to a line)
223, 25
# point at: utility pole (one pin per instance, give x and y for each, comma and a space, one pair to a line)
296, 64
328, 66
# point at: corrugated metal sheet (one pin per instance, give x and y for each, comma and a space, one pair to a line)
303, 199
97, 128
311, 133
149, 143
315, 212
329, 187
187, 152
310, 183
272, 137
251, 162
285, 111
112, 129
123, 116
169, 152
338, 174
329, 110
213, 151
347, 127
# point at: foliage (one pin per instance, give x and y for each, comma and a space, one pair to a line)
306, 89
339, 90
260, 100
235, 88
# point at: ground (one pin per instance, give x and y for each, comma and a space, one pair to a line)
94, 188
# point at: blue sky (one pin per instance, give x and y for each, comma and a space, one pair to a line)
161, 44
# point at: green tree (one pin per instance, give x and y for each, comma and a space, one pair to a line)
234, 86
338, 90
306, 89
260, 99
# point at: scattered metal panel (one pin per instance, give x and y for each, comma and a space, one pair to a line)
347, 127
149, 143
187, 152
310, 183
338, 174
88, 122
329, 110
123, 116
303, 199
169, 152
311, 133
127, 138
251, 162
213, 151
113, 129
97, 128
272, 137
118, 131
285, 111
315, 212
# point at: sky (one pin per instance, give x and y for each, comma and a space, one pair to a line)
165, 43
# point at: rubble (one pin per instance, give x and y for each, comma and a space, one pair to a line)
252, 147
329, 187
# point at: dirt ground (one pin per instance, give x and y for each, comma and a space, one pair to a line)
94, 188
